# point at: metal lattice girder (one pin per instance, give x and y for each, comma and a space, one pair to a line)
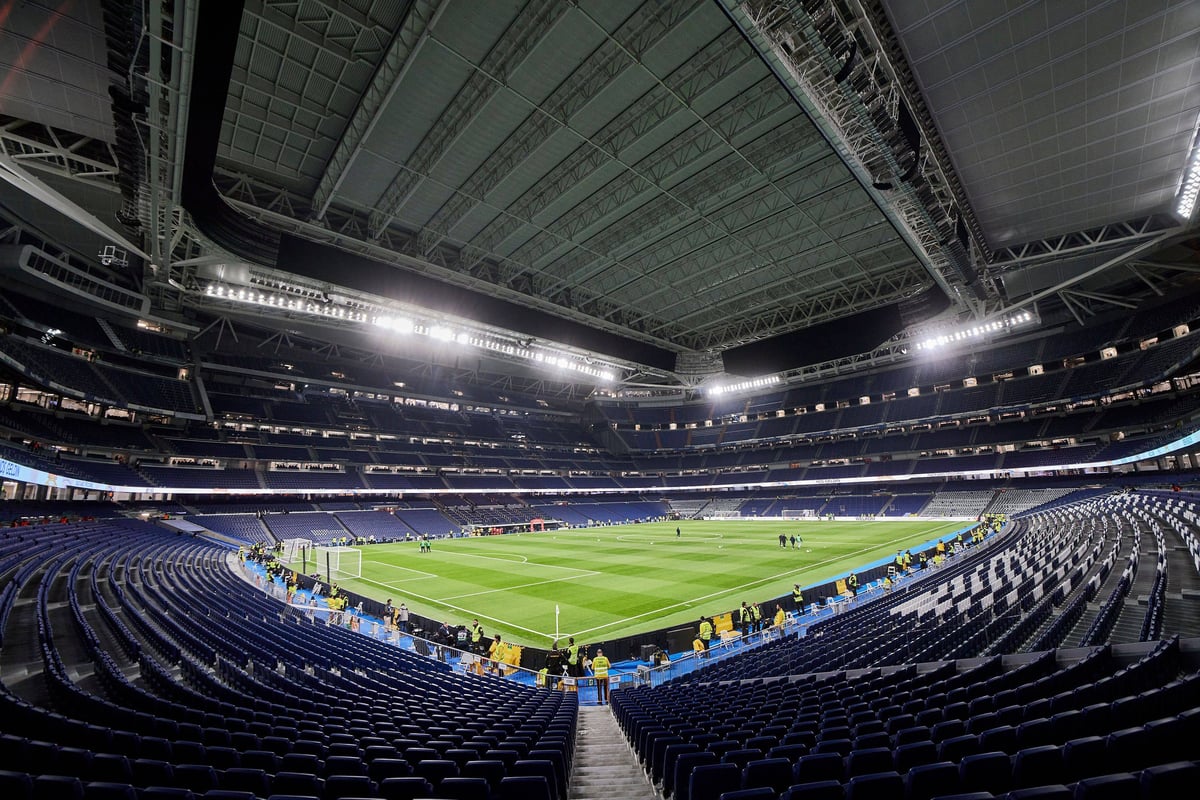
625, 239
535, 19
650, 111
649, 174
617, 134
938, 169
67, 155
786, 35
412, 34
820, 268
701, 249
598, 71
864, 295
1113, 234
169, 39
345, 230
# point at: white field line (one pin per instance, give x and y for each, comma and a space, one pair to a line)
468, 612
686, 603
585, 574
523, 560
743, 587
423, 575
662, 537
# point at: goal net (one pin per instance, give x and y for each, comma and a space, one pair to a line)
724, 513
341, 563
295, 550
798, 513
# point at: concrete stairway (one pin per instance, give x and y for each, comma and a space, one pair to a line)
605, 768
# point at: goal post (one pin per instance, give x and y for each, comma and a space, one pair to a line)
341, 563
296, 552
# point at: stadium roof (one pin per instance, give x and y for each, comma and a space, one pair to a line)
674, 189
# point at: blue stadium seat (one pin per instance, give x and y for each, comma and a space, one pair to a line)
1176, 779
775, 773
243, 779
957, 748
865, 762
435, 770
491, 771
1036, 766
677, 780
760, 793
709, 781
926, 781
408, 788
545, 768
341, 786
107, 790
815, 790
1047, 792
464, 789
986, 772
165, 793
913, 754
819, 767
17, 785
524, 787
1116, 786
298, 783
875, 785
1082, 757
199, 778
741, 757
57, 787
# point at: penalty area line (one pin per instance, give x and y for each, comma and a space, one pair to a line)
468, 612
585, 574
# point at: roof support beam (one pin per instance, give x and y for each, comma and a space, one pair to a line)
786, 39
1113, 234
1146, 246
532, 22
412, 35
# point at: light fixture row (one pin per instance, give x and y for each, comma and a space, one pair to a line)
1189, 188
755, 383
445, 333
404, 325
976, 331
283, 301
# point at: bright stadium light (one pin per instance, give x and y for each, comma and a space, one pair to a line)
1189, 185
324, 306
1017, 319
755, 383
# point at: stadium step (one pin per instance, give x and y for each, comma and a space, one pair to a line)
604, 767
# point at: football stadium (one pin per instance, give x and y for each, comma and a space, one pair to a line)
599, 399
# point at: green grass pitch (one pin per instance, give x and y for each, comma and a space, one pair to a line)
618, 581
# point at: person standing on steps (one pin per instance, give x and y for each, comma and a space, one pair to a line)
600, 665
